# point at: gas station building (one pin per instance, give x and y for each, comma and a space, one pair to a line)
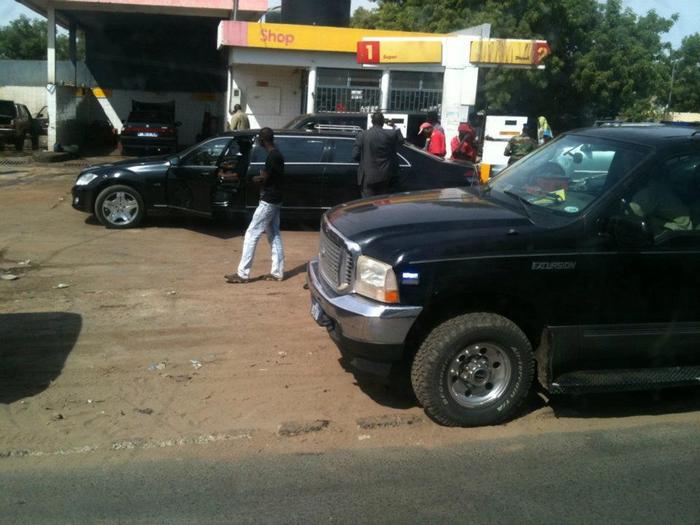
208, 55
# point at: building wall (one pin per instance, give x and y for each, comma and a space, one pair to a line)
24, 81
69, 129
34, 97
34, 73
272, 95
189, 108
74, 111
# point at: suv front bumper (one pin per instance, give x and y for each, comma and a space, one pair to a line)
361, 327
8, 133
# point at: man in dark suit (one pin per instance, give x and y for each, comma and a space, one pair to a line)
376, 150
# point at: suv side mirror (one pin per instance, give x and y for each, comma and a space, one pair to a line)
630, 231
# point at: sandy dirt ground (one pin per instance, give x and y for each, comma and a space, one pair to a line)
131, 340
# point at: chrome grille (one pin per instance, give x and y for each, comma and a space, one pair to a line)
336, 260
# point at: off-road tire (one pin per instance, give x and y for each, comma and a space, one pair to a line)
434, 357
107, 193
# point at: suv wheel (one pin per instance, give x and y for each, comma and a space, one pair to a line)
473, 370
120, 207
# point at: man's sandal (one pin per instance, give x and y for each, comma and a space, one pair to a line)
234, 278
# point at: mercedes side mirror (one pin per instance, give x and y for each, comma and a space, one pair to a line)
630, 231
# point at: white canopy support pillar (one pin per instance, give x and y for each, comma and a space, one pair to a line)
51, 74
459, 86
311, 90
385, 87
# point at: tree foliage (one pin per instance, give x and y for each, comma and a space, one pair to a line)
606, 61
25, 39
686, 87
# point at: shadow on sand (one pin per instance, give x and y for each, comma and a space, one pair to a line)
33, 350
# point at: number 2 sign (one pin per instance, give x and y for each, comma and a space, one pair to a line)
367, 52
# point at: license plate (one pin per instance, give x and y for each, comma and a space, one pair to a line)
316, 311
147, 134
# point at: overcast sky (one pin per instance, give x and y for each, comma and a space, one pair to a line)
689, 11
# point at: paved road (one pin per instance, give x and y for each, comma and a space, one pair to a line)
647, 475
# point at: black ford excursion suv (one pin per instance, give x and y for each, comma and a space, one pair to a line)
579, 265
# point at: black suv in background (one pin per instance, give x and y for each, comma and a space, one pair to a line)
150, 128
353, 120
579, 264
319, 174
15, 124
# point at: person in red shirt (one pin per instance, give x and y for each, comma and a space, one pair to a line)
463, 147
434, 139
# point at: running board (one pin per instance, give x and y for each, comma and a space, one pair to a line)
588, 381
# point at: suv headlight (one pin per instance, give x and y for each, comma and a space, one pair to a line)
376, 280
85, 179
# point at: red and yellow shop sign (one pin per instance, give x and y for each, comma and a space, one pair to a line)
377, 46
299, 37
399, 52
508, 52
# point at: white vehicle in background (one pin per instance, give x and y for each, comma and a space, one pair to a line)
498, 130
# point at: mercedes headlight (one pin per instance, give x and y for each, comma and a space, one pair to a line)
376, 280
85, 179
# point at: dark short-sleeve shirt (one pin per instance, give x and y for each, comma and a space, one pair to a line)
271, 190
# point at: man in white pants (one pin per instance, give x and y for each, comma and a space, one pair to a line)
266, 218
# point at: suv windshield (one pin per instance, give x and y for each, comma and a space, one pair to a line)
7, 108
569, 174
153, 117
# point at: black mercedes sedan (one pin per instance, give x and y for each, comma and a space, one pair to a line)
319, 174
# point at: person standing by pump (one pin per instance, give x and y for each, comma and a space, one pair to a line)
463, 146
376, 151
520, 145
434, 139
239, 120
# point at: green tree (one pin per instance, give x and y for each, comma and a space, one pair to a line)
686, 86
605, 61
625, 68
25, 39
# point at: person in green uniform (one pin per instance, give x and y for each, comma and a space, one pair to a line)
520, 145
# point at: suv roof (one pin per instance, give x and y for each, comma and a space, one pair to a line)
642, 133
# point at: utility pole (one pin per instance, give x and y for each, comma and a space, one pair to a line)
670, 90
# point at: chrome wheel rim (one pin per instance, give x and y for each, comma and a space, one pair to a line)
478, 375
120, 208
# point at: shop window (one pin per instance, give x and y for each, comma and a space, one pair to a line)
415, 92
348, 90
